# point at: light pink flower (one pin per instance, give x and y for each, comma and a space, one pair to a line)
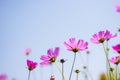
101, 36
3, 77
27, 51
98, 37
117, 7
116, 48
50, 57
115, 60
76, 46
31, 65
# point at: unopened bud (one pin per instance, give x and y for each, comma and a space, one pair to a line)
77, 71
62, 60
52, 78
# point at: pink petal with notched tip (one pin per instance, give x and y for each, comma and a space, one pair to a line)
56, 51
44, 57
68, 46
50, 52
45, 63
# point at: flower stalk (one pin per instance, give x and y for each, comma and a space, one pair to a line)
109, 66
62, 62
77, 72
72, 66
116, 72
29, 75
60, 71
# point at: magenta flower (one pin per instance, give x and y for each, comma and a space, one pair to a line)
115, 60
101, 36
117, 7
3, 77
27, 51
50, 57
116, 48
76, 46
31, 65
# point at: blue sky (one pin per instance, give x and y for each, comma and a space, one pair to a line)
44, 24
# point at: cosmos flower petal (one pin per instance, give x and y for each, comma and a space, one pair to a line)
50, 52
28, 62
45, 63
101, 34
56, 51
72, 42
117, 7
115, 35
68, 46
44, 57
94, 41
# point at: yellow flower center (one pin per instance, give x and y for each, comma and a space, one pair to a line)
101, 40
53, 59
75, 50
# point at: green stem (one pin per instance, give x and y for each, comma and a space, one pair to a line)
62, 71
72, 66
116, 71
82, 60
118, 74
106, 55
29, 75
109, 66
63, 77
77, 76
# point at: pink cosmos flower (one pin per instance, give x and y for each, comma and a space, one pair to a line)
117, 7
50, 57
101, 36
3, 77
116, 48
27, 51
31, 65
76, 46
115, 60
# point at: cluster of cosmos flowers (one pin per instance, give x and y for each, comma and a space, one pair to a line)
77, 46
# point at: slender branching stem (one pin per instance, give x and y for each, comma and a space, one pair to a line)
29, 75
116, 72
62, 71
109, 66
77, 76
63, 77
72, 66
